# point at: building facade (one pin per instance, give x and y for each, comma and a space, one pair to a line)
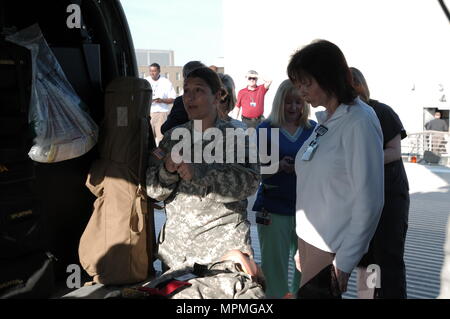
162, 57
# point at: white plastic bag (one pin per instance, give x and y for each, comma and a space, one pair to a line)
63, 128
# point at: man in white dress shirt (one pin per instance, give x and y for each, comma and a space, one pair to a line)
163, 95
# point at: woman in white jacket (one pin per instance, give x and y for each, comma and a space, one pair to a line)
340, 181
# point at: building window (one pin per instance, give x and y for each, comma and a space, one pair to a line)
178, 76
166, 75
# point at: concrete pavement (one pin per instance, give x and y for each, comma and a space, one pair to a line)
424, 255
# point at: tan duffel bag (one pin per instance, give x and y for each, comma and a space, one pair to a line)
118, 244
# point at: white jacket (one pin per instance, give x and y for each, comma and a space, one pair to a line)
340, 191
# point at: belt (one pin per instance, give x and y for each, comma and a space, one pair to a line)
252, 119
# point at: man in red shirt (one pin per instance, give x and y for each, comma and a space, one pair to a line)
251, 100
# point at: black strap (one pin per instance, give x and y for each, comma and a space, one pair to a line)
200, 270
445, 9
205, 271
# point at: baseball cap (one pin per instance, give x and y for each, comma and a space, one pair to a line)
251, 74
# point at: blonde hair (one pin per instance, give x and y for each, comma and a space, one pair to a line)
359, 80
276, 116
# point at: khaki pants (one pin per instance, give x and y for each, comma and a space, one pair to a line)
157, 119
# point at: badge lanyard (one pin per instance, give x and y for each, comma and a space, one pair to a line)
252, 103
311, 149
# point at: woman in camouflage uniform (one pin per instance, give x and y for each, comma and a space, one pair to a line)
206, 204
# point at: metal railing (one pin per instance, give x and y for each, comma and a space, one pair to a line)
417, 144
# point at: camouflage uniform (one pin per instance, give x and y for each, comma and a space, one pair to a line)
220, 280
207, 216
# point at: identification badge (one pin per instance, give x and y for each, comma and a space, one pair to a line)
310, 150
253, 104
321, 130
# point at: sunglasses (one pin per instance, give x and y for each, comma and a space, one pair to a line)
250, 79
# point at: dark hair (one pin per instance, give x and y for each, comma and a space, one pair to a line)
191, 65
156, 65
326, 63
209, 76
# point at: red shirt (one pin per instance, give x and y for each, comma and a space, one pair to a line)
252, 102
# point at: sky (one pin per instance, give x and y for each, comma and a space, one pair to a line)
191, 28
398, 45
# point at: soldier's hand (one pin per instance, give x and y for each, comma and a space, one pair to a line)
170, 165
186, 171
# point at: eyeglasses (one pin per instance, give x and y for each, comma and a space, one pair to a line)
251, 79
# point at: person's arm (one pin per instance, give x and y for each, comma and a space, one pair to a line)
228, 182
237, 108
266, 151
393, 131
171, 94
235, 112
363, 146
267, 83
286, 164
162, 178
393, 150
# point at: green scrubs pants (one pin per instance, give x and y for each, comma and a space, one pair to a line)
278, 242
